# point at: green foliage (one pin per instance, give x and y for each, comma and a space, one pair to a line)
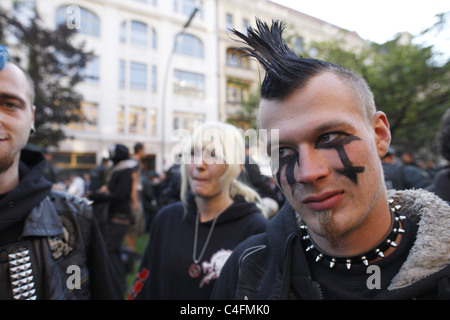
407, 84
54, 64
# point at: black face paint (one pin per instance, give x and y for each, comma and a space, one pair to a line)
349, 170
289, 162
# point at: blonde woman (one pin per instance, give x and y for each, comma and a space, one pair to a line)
191, 240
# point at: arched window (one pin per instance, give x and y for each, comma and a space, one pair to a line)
138, 35
84, 20
189, 45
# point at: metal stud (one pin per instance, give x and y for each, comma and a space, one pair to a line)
319, 257
364, 260
332, 262
349, 264
379, 253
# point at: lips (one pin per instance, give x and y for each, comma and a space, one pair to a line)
325, 201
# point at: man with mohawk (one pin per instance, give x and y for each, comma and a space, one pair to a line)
341, 234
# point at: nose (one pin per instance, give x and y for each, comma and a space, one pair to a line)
312, 166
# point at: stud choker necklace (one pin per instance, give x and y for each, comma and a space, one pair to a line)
364, 258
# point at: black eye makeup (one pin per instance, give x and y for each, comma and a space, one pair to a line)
289, 157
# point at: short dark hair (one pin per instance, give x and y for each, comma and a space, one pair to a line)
286, 71
138, 146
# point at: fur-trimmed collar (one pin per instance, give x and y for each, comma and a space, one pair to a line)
430, 252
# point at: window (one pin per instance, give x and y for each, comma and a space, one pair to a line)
154, 79
138, 76
67, 160
89, 23
186, 120
235, 59
189, 83
123, 32
138, 34
188, 6
122, 74
152, 121
154, 39
236, 93
189, 45
91, 72
121, 119
136, 120
88, 115
229, 22
245, 25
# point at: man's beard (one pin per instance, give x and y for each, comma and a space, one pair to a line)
6, 161
329, 227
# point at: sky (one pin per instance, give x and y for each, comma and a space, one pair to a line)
379, 21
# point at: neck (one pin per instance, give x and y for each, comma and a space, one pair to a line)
361, 238
365, 249
209, 208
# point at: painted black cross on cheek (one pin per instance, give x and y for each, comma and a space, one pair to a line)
349, 170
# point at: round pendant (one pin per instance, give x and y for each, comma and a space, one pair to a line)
194, 270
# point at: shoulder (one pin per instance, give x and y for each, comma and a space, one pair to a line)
67, 202
170, 212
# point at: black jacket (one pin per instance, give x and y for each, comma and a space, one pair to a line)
163, 273
119, 186
441, 184
51, 247
266, 266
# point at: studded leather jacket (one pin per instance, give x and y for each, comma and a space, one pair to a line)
57, 251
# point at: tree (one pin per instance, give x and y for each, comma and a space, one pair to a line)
407, 84
54, 64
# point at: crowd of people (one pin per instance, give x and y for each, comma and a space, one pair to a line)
340, 200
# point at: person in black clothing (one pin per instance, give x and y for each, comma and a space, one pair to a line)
98, 175
50, 244
340, 234
117, 200
402, 176
150, 181
441, 182
251, 175
191, 240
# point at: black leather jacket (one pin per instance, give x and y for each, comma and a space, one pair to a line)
60, 254
50, 244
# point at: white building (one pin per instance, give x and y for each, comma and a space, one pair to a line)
151, 75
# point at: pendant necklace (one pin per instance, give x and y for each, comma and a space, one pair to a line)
195, 269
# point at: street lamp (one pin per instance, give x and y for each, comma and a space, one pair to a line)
164, 91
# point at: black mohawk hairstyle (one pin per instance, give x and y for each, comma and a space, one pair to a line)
285, 70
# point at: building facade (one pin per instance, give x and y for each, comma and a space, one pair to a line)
156, 71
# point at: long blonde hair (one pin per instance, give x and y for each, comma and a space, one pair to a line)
228, 144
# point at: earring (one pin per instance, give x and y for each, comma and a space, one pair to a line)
32, 131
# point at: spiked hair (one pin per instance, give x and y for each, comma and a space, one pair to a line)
286, 71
